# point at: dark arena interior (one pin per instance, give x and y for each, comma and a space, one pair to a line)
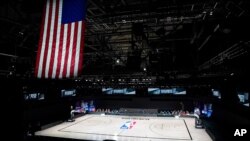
150, 70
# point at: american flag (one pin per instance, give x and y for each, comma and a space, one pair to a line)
61, 43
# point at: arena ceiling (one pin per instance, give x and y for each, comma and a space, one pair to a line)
169, 38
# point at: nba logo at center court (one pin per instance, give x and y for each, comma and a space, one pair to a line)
128, 125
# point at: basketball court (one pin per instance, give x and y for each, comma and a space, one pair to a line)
132, 128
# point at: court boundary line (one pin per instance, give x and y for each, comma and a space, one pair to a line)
61, 130
188, 130
126, 136
75, 123
190, 138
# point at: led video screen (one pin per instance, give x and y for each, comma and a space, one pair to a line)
34, 96
68, 92
171, 91
243, 98
121, 91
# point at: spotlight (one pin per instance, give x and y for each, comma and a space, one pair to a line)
118, 61
144, 69
20, 33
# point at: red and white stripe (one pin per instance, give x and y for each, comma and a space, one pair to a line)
60, 49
